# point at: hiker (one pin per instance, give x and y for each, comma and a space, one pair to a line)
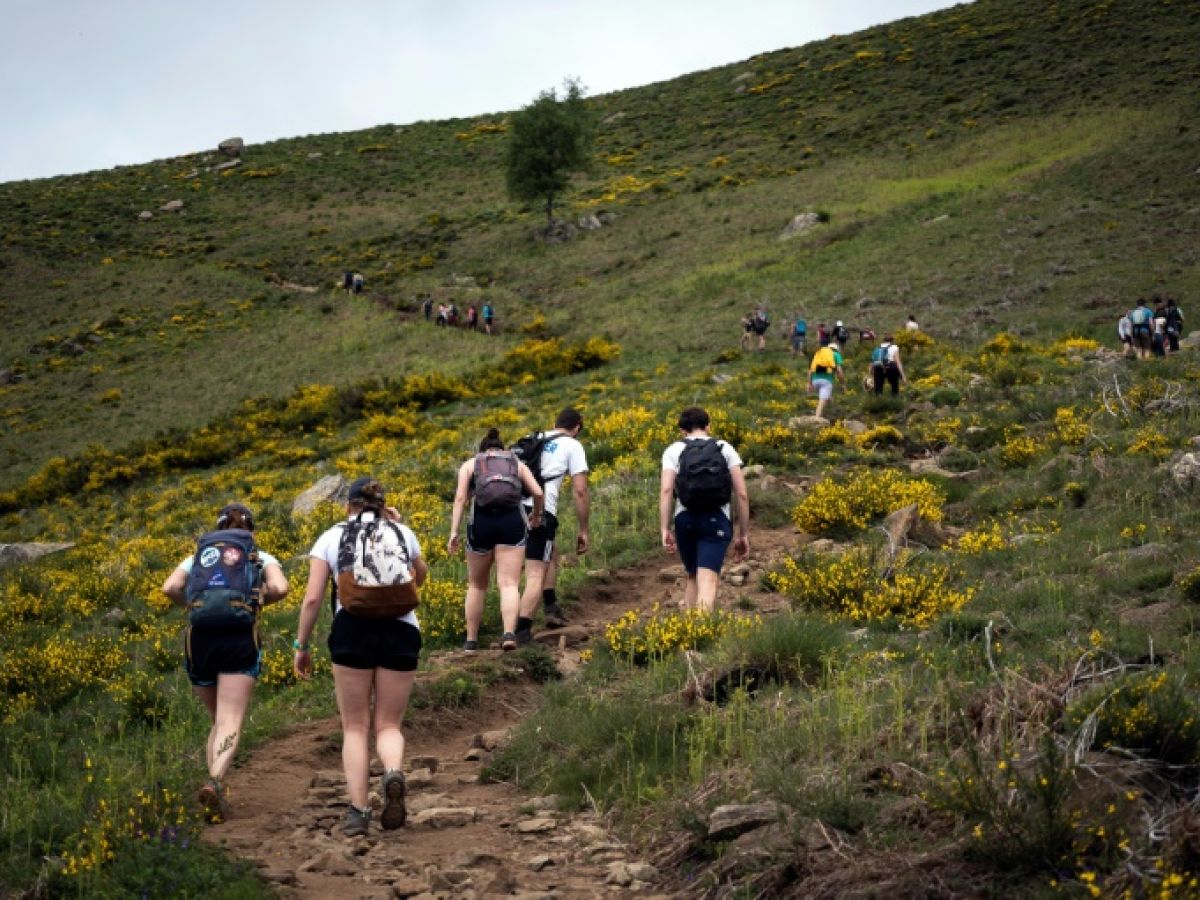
348, 281
359, 281
866, 335
488, 315
747, 330
441, 315
826, 365
427, 308
452, 315
558, 455
799, 335
375, 564
822, 335
841, 335
1142, 319
911, 324
886, 366
1158, 340
224, 656
1125, 334
1174, 316
495, 482
761, 323
472, 317
700, 476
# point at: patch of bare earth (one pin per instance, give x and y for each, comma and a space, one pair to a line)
463, 836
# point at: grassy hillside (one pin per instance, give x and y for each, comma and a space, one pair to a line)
1055, 137
1002, 709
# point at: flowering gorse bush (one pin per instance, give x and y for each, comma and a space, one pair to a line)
640, 639
853, 502
1152, 714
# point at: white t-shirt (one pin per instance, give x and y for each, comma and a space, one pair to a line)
561, 456
326, 548
267, 560
893, 353
670, 460
1124, 327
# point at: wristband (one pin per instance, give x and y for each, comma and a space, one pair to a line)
296, 645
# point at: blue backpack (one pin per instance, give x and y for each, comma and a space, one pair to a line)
224, 587
879, 354
801, 327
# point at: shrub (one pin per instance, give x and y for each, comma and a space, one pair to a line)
852, 503
661, 633
1150, 713
1189, 585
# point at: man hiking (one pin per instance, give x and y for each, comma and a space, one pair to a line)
559, 456
826, 365
799, 335
886, 366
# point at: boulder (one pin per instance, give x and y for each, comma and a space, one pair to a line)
18, 554
721, 378
490, 740
671, 574
171, 206
854, 426
232, 146
606, 218
624, 874
330, 488
899, 524
808, 423
727, 822
1116, 560
230, 164
145, 215
800, 224
1186, 470
589, 221
540, 825
1191, 341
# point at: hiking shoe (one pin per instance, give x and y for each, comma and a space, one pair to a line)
524, 636
470, 646
553, 616
212, 801
357, 822
508, 641
394, 813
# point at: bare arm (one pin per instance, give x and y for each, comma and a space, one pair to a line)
175, 585
534, 490
310, 609
666, 505
583, 505
275, 584
741, 526
420, 570
462, 493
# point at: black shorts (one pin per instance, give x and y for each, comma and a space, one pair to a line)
221, 651
540, 543
491, 529
358, 642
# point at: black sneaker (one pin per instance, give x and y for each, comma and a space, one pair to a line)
508, 641
524, 636
470, 646
553, 615
394, 812
357, 822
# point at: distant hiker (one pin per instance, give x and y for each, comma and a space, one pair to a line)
841, 334
488, 315
427, 308
700, 477
762, 321
452, 315
495, 482
442, 315
472, 317
747, 330
1141, 317
826, 365
799, 335
358, 282
223, 585
1125, 334
1158, 340
866, 335
374, 563
1174, 316
348, 281
552, 456
911, 325
886, 366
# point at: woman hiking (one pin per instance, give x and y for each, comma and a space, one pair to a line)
495, 481
374, 656
223, 652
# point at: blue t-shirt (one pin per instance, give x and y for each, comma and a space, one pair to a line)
267, 560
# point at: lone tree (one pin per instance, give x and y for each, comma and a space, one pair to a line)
550, 139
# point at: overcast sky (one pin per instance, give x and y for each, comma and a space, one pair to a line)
89, 84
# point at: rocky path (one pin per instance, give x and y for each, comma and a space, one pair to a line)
464, 837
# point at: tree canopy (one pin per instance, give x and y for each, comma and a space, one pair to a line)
550, 139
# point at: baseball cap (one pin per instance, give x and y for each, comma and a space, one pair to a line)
367, 490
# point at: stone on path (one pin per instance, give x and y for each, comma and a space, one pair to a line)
727, 822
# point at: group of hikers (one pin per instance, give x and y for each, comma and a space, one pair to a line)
373, 565
1148, 330
826, 365
448, 315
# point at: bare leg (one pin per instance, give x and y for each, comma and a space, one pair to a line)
392, 690
353, 690
233, 698
706, 581
479, 570
535, 578
508, 579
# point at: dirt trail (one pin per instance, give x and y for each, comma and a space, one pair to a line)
464, 838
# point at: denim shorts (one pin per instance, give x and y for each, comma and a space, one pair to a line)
212, 652
702, 539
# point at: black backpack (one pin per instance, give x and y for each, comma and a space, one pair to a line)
225, 584
529, 451
703, 483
